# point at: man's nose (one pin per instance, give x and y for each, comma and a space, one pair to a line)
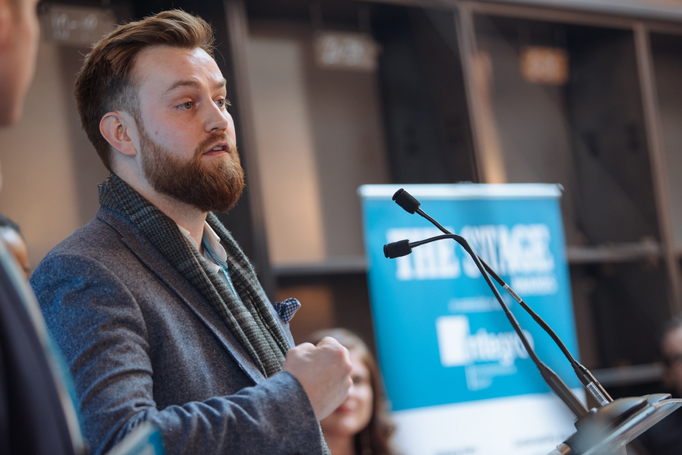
217, 118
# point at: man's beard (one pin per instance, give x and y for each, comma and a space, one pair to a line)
208, 187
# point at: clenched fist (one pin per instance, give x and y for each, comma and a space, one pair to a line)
324, 373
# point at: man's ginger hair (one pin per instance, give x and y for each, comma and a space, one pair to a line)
106, 83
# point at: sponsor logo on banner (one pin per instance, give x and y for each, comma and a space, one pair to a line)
521, 251
484, 355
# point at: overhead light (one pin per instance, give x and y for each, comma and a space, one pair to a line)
75, 25
347, 51
544, 65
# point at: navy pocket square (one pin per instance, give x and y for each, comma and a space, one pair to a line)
287, 309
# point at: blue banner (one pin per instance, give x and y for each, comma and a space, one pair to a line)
442, 337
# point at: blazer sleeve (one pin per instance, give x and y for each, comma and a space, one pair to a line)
98, 324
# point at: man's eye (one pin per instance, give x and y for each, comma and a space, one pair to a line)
187, 105
221, 103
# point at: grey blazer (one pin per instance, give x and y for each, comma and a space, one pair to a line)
144, 345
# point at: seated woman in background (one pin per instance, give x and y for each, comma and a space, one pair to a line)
360, 426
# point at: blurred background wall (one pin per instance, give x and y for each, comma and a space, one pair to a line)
329, 95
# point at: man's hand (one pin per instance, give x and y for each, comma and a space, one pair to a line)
324, 373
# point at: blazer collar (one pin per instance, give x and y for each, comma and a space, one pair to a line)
133, 239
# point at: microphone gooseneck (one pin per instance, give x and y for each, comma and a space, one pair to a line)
410, 204
550, 377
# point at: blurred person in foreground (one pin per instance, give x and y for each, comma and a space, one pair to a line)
360, 426
159, 313
37, 416
10, 234
665, 438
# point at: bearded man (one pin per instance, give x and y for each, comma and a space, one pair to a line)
157, 310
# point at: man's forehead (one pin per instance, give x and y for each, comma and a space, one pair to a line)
193, 84
166, 68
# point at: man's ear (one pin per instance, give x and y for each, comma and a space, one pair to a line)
119, 129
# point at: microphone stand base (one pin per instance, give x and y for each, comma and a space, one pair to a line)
607, 430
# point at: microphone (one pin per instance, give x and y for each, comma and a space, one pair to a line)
397, 249
602, 431
404, 247
406, 201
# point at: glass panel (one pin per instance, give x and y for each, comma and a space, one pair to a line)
426, 117
666, 51
565, 107
323, 130
619, 311
561, 103
318, 136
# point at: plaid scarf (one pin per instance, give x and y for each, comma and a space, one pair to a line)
247, 315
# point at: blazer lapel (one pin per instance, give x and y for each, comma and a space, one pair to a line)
155, 261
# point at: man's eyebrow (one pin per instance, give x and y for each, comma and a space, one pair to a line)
194, 84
